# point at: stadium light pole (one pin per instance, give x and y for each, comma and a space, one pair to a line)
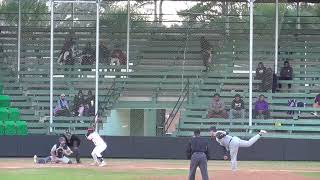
97, 62
250, 63
19, 37
276, 39
128, 34
51, 64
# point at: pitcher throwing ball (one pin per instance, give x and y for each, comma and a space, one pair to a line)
101, 146
232, 143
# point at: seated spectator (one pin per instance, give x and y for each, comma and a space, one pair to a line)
260, 71
237, 108
316, 104
217, 108
65, 56
78, 104
90, 104
261, 110
104, 53
269, 81
118, 57
286, 73
62, 108
206, 52
88, 56
260, 74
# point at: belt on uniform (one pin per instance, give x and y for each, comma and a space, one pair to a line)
197, 152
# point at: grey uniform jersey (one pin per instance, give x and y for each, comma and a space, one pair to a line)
225, 140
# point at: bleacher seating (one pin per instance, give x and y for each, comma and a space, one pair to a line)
163, 60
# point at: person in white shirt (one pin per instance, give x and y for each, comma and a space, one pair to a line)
232, 143
100, 146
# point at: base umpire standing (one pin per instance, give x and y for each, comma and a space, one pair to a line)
198, 152
73, 142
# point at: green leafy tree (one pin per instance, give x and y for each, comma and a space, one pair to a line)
34, 12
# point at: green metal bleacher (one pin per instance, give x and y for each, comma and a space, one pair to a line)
163, 61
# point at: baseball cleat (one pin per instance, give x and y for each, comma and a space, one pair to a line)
263, 132
102, 164
35, 158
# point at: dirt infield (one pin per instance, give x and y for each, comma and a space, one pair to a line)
218, 170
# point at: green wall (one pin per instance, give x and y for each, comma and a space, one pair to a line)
118, 124
131, 122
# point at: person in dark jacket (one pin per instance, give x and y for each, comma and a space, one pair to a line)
206, 52
267, 80
286, 73
260, 74
88, 56
104, 53
237, 107
65, 56
90, 104
78, 104
73, 142
198, 152
260, 71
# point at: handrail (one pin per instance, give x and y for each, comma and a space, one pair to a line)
110, 92
182, 97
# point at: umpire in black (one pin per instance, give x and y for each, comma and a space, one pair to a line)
73, 142
198, 152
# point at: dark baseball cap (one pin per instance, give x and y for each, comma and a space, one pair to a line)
213, 128
196, 132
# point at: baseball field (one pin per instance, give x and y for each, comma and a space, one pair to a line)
124, 169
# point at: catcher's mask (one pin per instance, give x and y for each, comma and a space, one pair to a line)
62, 140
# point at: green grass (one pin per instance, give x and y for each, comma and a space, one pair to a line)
81, 174
315, 175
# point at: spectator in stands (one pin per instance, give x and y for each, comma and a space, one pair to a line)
62, 108
118, 57
316, 104
260, 74
217, 108
65, 56
269, 81
90, 104
104, 53
261, 110
88, 56
286, 73
260, 71
237, 108
78, 104
206, 52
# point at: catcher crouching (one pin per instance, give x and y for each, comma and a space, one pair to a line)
58, 153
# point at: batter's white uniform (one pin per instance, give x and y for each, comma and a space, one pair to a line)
232, 144
99, 143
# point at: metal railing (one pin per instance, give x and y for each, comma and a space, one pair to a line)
184, 93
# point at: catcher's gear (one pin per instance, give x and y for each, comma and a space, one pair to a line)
59, 152
62, 140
